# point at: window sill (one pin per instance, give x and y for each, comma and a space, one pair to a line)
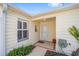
21, 40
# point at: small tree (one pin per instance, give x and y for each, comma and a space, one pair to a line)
74, 32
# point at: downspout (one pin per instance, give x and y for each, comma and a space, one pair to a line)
2, 30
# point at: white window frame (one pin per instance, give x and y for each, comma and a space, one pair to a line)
22, 20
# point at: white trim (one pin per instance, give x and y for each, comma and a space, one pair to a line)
23, 39
2, 30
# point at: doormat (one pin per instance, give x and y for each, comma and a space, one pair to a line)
40, 41
50, 53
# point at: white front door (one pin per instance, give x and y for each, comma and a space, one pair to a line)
44, 33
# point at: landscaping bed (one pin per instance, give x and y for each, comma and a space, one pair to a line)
50, 53
21, 51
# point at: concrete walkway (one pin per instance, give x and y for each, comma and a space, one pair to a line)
38, 51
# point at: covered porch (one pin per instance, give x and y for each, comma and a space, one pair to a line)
45, 31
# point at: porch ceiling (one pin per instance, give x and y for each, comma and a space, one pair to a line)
45, 19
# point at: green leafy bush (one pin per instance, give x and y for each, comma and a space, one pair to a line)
21, 51
74, 32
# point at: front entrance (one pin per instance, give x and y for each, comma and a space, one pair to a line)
45, 33
48, 30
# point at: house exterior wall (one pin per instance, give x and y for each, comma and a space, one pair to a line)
37, 34
65, 20
11, 31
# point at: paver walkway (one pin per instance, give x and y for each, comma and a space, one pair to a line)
46, 45
38, 51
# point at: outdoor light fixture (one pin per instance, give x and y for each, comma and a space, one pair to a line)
35, 28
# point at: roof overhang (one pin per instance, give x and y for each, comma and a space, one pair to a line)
57, 10
19, 11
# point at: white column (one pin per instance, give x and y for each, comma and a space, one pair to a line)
2, 30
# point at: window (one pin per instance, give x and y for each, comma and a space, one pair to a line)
22, 30
25, 32
19, 25
19, 34
24, 25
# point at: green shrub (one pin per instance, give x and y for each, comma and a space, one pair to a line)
28, 49
21, 51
